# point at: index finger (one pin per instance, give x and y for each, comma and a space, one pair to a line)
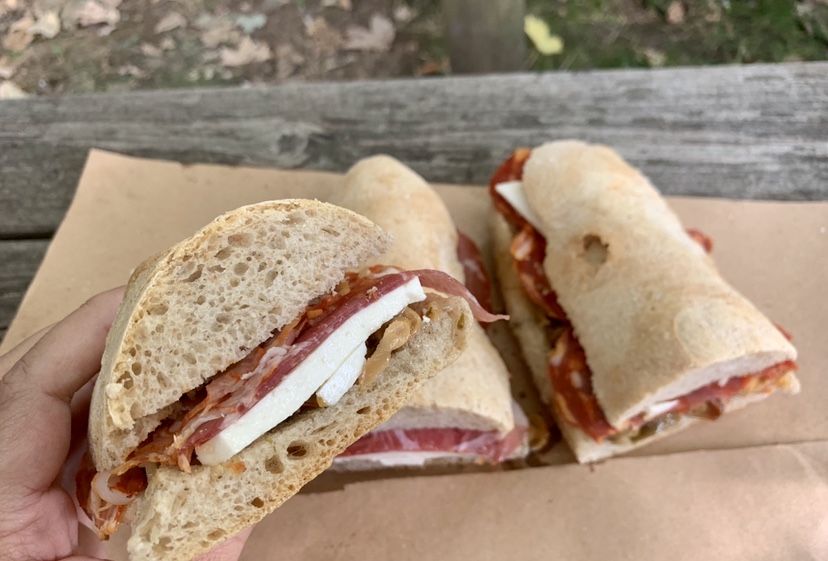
35, 416
16, 353
66, 356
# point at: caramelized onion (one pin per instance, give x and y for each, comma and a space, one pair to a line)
100, 486
398, 332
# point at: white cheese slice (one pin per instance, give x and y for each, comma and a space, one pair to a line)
659, 408
342, 380
303, 381
512, 191
397, 459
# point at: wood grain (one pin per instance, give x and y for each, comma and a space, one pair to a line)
757, 131
20, 259
736, 131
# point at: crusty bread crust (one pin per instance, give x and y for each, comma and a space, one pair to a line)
183, 515
473, 393
642, 297
231, 284
529, 326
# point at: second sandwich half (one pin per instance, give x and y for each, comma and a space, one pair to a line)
466, 414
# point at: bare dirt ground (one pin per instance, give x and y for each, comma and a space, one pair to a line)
52, 47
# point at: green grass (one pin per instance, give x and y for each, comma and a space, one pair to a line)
629, 33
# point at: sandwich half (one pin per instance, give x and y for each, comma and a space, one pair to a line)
244, 359
466, 413
627, 326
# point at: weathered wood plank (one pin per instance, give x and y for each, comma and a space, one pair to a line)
738, 131
20, 260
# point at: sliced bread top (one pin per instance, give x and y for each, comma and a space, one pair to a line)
204, 304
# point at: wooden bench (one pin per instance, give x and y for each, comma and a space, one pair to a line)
756, 131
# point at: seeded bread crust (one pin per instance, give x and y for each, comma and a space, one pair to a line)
194, 310
183, 515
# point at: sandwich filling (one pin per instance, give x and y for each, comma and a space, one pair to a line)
573, 399
417, 445
343, 338
414, 446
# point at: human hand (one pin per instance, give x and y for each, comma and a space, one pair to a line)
45, 389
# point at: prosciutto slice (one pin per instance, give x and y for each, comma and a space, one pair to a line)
474, 270
487, 446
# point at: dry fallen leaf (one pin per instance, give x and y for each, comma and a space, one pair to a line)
655, 57
23, 24
10, 90
544, 41
313, 25
131, 70
148, 49
326, 39
676, 12
167, 43
47, 25
7, 68
287, 61
713, 11
377, 37
171, 21
341, 4
220, 36
217, 31
7, 6
248, 51
16, 41
404, 14
94, 12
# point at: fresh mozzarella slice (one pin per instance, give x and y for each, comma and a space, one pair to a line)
512, 191
302, 382
342, 380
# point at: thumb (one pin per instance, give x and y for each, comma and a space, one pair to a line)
228, 550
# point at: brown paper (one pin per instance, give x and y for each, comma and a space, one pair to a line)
729, 492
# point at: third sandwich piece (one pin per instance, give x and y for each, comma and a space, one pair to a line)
466, 413
629, 330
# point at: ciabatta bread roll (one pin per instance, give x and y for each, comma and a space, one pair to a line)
629, 329
244, 359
